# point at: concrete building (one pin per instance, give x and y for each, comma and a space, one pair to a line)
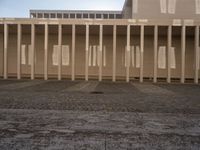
148, 40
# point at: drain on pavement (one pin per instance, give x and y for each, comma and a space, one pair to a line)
96, 92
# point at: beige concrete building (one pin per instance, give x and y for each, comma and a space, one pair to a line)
149, 40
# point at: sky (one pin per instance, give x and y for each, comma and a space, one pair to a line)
20, 8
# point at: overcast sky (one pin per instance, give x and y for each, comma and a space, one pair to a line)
20, 8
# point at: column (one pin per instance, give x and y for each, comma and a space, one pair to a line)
5, 51
73, 51
155, 54
141, 52
46, 37
60, 51
86, 52
196, 80
114, 52
128, 55
169, 44
32, 51
183, 40
19, 35
100, 51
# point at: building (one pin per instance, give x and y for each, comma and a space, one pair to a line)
148, 40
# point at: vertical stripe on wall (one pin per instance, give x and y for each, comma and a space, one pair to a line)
197, 6
171, 6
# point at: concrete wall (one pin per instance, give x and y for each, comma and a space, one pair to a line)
151, 9
1, 54
108, 42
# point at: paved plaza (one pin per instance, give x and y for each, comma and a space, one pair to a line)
65, 115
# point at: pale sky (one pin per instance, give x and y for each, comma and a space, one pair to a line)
20, 8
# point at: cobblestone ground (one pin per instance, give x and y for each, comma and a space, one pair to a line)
80, 115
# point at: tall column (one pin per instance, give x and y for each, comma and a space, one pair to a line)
73, 51
100, 51
5, 51
60, 51
114, 52
169, 44
196, 80
141, 52
32, 51
183, 40
19, 35
155, 54
86, 52
46, 37
128, 55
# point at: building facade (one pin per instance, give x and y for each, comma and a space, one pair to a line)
149, 40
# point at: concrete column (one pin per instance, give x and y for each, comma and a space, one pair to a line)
5, 51
60, 51
19, 35
32, 51
128, 55
46, 37
183, 40
114, 52
86, 52
73, 51
155, 54
196, 80
142, 52
100, 51
169, 44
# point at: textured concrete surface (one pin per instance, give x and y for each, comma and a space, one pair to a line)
90, 115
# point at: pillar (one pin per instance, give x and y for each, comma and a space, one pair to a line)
183, 40
169, 44
114, 52
128, 55
86, 52
141, 52
60, 51
155, 54
46, 37
33, 52
196, 80
19, 35
73, 51
100, 51
5, 51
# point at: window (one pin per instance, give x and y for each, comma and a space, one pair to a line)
66, 15
118, 16
111, 16
98, 16
72, 15
78, 15
92, 16
53, 15
85, 15
40, 15
59, 15
105, 16
46, 15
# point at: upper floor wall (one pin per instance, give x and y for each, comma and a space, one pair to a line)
72, 14
162, 9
